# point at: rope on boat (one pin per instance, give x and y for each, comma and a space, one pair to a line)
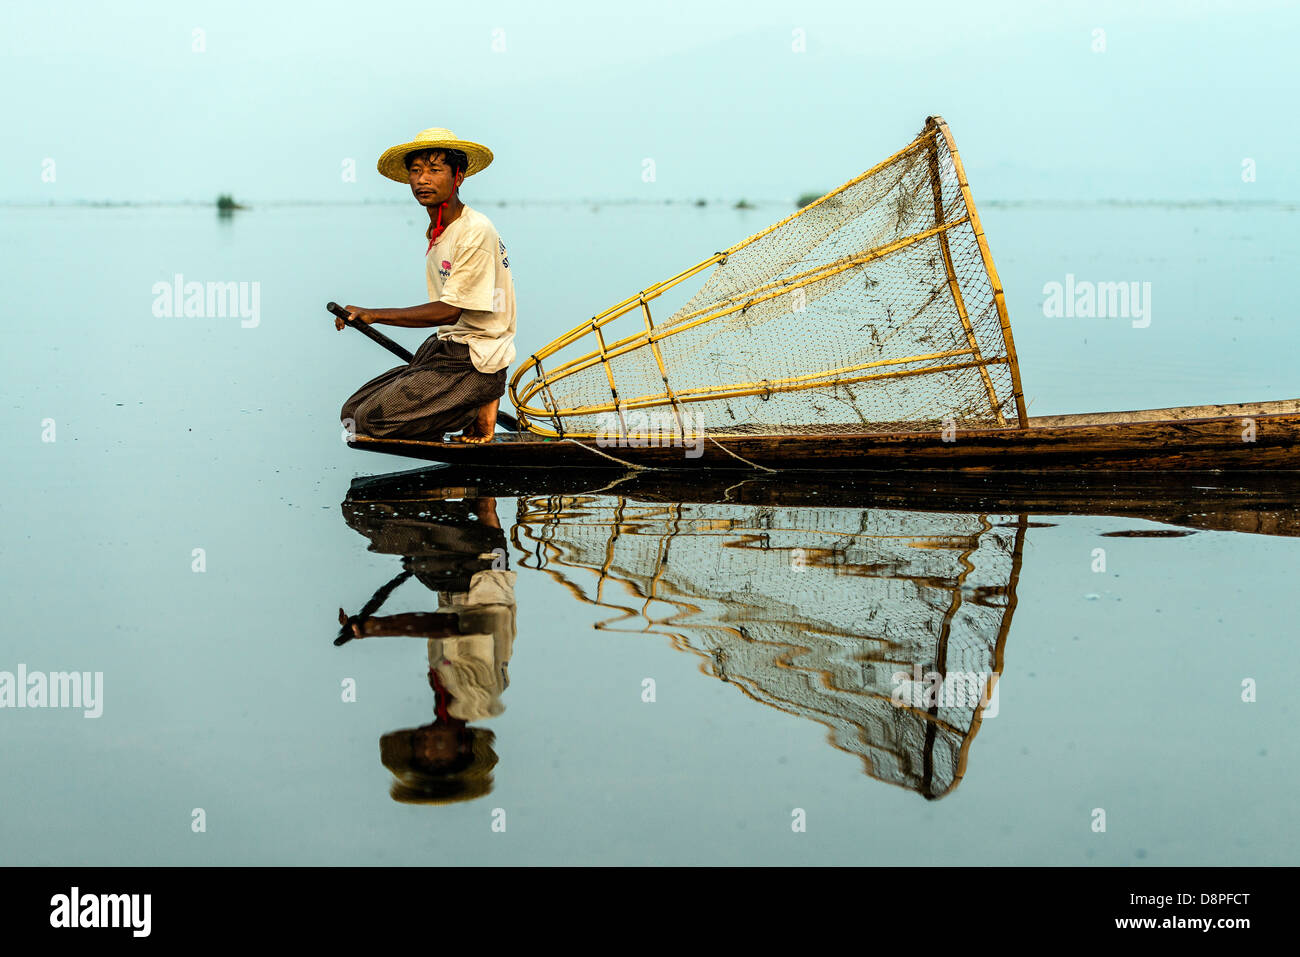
754, 465
653, 468
614, 458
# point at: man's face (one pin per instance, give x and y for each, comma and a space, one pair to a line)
438, 745
431, 179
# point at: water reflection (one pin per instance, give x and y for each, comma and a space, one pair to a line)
457, 550
879, 609
887, 626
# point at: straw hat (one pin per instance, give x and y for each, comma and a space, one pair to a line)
418, 780
393, 163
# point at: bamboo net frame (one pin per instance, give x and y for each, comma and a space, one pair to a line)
880, 299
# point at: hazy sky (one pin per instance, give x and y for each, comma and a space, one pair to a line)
575, 97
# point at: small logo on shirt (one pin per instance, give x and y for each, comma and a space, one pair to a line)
445, 269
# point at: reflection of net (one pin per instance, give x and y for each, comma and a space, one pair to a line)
813, 611
874, 309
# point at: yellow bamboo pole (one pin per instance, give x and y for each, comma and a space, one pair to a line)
747, 389
766, 386
663, 369
953, 285
998, 298
657, 288
551, 403
911, 147
609, 372
821, 376
772, 386
603, 318
626, 306
532, 388
816, 274
934, 127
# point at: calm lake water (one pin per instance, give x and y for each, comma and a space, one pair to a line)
766, 626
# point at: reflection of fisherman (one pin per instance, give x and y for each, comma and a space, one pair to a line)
471, 667
448, 760
470, 641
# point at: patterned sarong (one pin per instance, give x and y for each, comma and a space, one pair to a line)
439, 391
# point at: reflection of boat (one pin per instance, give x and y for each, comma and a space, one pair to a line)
880, 611
1258, 503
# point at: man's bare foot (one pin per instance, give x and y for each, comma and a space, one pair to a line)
483, 426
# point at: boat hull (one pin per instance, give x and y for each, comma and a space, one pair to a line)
1249, 437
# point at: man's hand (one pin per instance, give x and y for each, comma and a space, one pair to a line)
412, 317
354, 312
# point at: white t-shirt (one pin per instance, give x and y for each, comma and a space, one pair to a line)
473, 666
468, 267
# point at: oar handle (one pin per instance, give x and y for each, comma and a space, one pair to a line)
369, 333
509, 421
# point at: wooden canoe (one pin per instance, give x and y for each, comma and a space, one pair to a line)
1250, 436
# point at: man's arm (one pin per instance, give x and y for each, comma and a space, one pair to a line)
413, 317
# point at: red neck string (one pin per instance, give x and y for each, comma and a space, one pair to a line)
441, 698
438, 227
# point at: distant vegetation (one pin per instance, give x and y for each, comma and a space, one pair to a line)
226, 203
806, 198
701, 202
744, 204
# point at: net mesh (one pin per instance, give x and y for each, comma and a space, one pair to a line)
848, 617
871, 309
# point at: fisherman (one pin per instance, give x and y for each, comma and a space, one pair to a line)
456, 379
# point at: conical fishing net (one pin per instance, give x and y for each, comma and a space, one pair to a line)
876, 308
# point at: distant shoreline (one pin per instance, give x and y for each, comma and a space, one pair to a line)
1280, 204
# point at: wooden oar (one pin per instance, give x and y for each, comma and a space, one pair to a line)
509, 421
365, 330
